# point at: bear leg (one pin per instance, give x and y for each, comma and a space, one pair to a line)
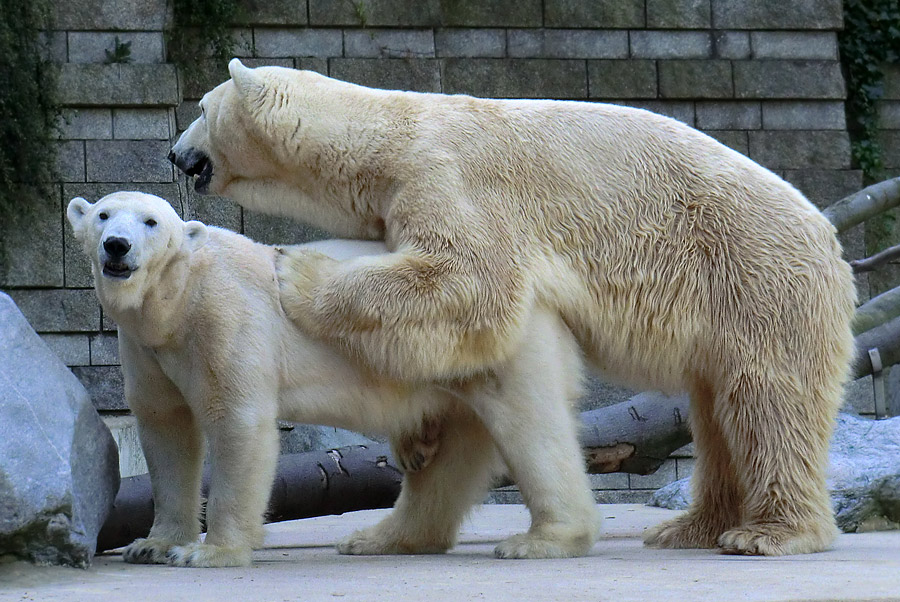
434, 500
716, 503
243, 457
778, 436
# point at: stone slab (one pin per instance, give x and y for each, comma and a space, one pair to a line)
775, 14
622, 79
788, 79
469, 43
567, 43
419, 75
599, 14
515, 78
118, 85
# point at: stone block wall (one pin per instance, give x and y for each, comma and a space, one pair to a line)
761, 76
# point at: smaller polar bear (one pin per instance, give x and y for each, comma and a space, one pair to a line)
207, 351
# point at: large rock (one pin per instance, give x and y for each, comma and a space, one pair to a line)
58, 461
863, 476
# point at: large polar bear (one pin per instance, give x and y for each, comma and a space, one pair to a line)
206, 349
678, 263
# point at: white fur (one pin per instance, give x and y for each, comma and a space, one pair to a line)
208, 353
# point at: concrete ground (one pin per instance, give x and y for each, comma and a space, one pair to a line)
299, 563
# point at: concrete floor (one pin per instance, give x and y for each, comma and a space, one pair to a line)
299, 563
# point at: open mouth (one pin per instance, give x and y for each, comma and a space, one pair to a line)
202, 172
117, 270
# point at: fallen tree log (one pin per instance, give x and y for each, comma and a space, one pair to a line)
635, 436
862, 205
876, 311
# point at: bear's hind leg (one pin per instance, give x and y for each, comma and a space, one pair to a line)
716, 503
434, 500
778, 436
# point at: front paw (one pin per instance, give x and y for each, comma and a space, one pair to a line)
299, 272
148, 551
203, 555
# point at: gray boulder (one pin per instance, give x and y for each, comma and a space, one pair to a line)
863, 476
58, 462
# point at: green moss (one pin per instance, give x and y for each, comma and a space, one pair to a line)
29, 111
202, 28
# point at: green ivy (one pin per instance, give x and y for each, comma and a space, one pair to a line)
871, 38
29, 110
202, 28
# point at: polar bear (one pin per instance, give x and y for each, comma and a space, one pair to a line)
679, 264
206, 350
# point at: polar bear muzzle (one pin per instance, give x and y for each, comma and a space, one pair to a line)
115, 265
194, 163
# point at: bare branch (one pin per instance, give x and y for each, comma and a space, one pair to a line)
886, 338
876, 311
870, 263
860, 206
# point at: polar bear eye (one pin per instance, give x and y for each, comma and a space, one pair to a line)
150, 222
103, 216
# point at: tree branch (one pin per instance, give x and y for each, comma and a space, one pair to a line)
860, 206
877, 311
870, 263
886, 338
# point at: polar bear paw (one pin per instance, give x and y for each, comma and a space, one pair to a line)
415, 451
372, 542
208, 555
773, 539
545, 545
151, 550
684, 532
299, 272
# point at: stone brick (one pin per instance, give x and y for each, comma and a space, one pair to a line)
671, 44
143, 124
31, 251
889, 114
825, 186
205, 75
731, 44
737, 115
684, 468
298, 42
71, 349
664, 475
776, 14
312, 64
375, 13
59, 310
801, 149
86, 124
890, 147
105, 386
116, 85
70, 161
92, 46
104, 349
695, 79
733, 139
272, 230
788, 79
470, 43
419, 75
212, 210
128, 161
803, 115
133, 15
614, 480
891, 82
389, 43
680, 110
53, 46
622, 79
492, 13
273, 12
794, 45
678, 14
597, 14
516, 78
567, 43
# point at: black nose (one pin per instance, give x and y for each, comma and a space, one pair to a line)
116, 247
171, 156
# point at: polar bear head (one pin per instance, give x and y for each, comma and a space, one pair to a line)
130, 237
278, 140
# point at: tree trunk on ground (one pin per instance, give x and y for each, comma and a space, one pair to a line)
877, 311
635, 436
886, 338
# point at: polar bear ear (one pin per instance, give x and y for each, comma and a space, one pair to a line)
195, 235
76, 211
248, 84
